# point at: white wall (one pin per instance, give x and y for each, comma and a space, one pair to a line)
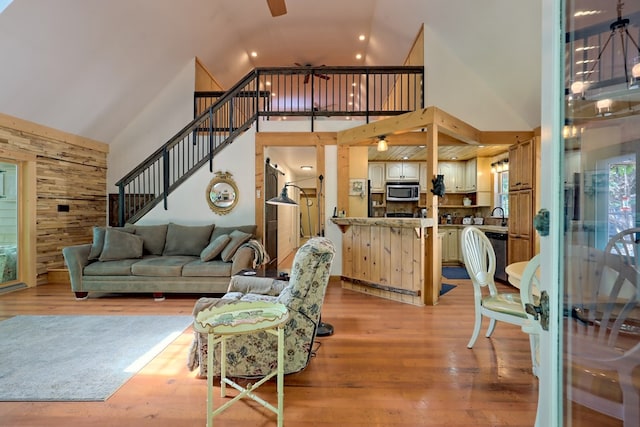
188, 203
452, 86
165, 115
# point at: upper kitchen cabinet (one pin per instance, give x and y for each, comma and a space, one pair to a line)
470, 175
377, 176
403, 171
423, 181
453, 176
521, 159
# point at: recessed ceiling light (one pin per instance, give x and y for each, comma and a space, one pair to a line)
306, 167
359, 56
405, 158
361, 37
254, 54
454, 158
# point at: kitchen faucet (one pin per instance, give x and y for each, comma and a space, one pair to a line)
504, 221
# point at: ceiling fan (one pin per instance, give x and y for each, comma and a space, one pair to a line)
277, 7
308, 75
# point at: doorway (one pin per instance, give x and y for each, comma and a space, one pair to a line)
9, 216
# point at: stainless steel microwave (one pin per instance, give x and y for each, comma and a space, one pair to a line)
402, 191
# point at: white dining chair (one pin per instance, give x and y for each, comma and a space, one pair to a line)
480, 262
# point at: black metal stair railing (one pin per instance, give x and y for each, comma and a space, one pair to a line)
266, 94
196, 144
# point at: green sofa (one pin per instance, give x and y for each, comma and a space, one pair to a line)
159, 259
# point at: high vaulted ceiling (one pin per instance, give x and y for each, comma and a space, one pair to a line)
89, 66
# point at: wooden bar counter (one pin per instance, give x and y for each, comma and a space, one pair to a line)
386, 257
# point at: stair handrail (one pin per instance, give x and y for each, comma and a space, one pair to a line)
148, 190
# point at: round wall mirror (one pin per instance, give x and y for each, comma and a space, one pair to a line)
222, 193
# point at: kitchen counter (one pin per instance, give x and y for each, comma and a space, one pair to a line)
389, 258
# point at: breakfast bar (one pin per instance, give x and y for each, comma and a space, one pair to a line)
387, 257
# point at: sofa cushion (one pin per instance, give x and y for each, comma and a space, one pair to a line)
215, 248
154, 237
120, 267
164, 266
198, 268
120, 245
98, 240
187, 239
218, 231
237, 238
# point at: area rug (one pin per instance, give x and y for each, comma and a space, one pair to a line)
78, 358
455, 273
446, 288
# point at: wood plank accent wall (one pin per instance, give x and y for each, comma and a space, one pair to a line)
70, 170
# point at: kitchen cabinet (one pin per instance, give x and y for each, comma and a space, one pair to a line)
424, 182
470, 175
453, 176
403, 171
377, 176
524, 199
522, 158
450, 245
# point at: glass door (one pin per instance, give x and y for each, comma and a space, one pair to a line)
8, 223
600, 267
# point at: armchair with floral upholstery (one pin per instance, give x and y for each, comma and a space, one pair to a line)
254, 355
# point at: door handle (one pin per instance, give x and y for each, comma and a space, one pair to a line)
540, 312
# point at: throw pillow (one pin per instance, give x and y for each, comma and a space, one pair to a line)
237, 238
214, 248
154, 237
187, 239
98, 240
219, 231
120, 245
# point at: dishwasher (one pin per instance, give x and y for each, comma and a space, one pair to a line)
499, 243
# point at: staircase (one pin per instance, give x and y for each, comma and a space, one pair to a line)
379, 92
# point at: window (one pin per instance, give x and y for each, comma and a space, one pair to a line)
501, 191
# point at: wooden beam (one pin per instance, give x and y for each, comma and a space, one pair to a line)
432, 255
455, 127
295, 139
393, 125
504, 138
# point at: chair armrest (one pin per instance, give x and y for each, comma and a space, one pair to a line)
256, 285
242, 259
76, 257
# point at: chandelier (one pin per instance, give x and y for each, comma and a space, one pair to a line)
591, 84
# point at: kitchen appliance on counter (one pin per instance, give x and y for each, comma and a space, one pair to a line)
402, 191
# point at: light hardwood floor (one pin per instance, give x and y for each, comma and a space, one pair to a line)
388, 364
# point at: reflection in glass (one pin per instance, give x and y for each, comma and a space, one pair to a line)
601, 264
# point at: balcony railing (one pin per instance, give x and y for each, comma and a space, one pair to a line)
302, 93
